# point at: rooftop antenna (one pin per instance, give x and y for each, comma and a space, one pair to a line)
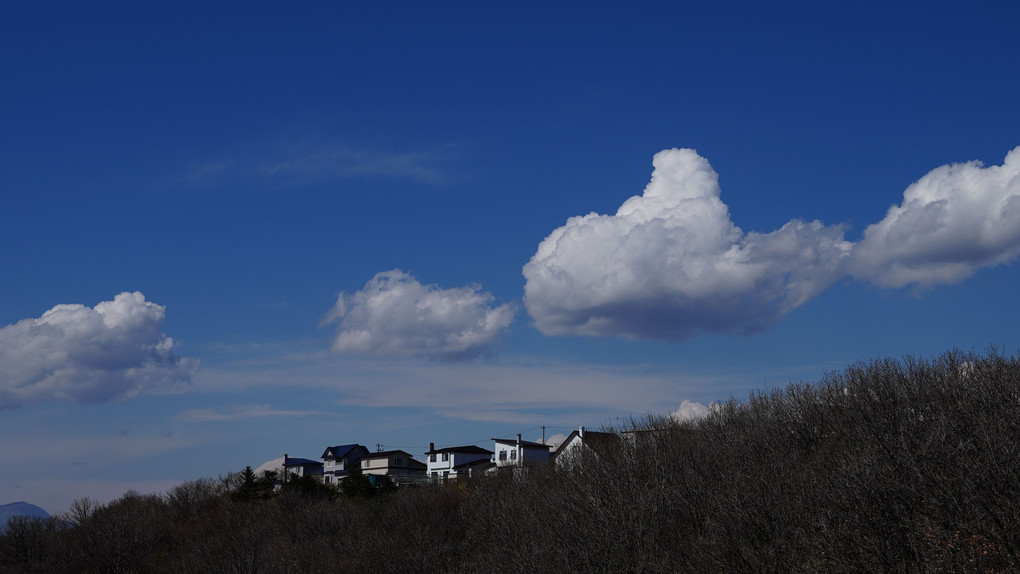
378, 447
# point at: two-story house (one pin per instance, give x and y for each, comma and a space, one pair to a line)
454, 461
339, 461
397, 465
511, 452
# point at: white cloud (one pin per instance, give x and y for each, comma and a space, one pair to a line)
953, 221
670, 263
690, 410
81, 354
396, 315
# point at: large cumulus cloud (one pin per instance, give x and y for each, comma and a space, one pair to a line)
89, 354
953, 221
670, 263
394, 314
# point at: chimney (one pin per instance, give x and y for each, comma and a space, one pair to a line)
518, 439
580, 432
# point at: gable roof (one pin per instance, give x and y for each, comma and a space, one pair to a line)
341, 451
592, 439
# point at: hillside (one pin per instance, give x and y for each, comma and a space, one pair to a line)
893, 465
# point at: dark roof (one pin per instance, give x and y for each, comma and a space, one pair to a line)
341, 451
386, 453
470, 449
524, 443
294, 461
480, 462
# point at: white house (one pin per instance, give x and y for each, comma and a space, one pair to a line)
338, 461
454, 461
517, 452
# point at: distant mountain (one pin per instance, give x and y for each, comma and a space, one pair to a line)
8, 511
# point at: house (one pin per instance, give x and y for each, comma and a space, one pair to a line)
397, 465
339, 461
510, 452
294, 467
457, 461
593, 442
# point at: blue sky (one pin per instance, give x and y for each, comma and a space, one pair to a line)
234, 231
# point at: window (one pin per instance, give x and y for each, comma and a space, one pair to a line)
502, 455
329, 463
398, 462
513, 455
432, 457
446, 456
366, 463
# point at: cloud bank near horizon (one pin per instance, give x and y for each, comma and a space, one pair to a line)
396, 315
670, 263
82, 354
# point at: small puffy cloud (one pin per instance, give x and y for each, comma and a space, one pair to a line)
953, 221
670, 264
396, 315
83, 354
690, 410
